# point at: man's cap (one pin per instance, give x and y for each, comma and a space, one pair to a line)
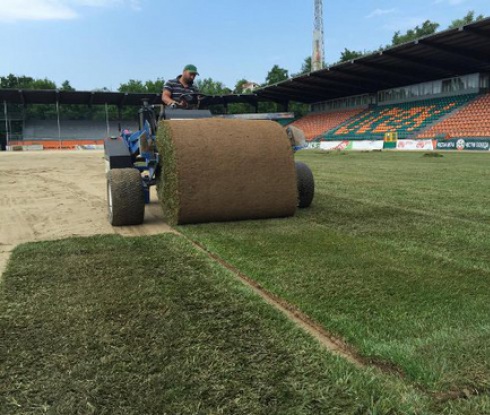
191, 68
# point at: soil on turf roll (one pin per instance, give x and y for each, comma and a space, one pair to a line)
221, 170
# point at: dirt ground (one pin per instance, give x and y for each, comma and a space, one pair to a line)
57, 194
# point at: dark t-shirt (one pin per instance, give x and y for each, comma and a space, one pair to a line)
177, 89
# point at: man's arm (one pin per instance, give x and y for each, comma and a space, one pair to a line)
167, 97
169, 101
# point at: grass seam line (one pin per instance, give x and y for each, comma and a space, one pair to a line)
330, 342
333, 344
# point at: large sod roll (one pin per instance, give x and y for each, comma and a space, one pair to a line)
220, 170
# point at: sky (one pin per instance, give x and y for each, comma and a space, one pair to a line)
103, 43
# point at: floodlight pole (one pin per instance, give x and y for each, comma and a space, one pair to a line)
5, 111
318, 38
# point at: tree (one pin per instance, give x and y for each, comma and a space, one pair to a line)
43, 84
307, 66
276, 75
240, 108
469, 18
239, 86
348, 55
299, 109
12, 81
65, 86
208, 86
427, 28
155, 86
136, 86
25, 82
132, 85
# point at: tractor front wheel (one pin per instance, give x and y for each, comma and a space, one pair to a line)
125, 197
306, 185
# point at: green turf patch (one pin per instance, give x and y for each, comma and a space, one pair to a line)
392, 256
112, 325
167, 180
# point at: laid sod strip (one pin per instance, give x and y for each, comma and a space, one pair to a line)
168, 195
333, 345
475, 405
385, 259
109, 325
220, 170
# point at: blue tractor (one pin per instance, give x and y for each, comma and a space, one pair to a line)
133, 163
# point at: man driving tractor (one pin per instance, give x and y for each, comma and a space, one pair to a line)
174, 89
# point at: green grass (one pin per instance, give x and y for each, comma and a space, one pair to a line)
112, 325
393, 257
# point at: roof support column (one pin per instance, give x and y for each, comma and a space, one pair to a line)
58, 120
24, 110
119, 115
5, 112
107, 120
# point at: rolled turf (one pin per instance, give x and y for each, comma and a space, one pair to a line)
219, 170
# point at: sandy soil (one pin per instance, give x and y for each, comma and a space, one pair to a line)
51, 195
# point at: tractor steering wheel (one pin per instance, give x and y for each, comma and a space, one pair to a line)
193, 98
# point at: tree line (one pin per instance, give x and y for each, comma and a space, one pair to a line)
207, 86
427, 28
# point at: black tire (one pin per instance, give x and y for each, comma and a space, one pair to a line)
125, 197
306, 185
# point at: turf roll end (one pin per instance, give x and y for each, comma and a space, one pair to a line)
217, 170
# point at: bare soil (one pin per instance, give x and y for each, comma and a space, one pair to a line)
56, 194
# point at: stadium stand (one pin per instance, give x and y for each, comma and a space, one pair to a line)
471, 121
72, 130
406, 119
285, 122
314, 125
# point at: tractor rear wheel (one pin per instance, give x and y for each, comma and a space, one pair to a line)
125, 197
306, 185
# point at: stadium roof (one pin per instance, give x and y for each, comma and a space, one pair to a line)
39, 96
446, 54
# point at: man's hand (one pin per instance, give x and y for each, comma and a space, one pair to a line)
176, 104
181, 104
